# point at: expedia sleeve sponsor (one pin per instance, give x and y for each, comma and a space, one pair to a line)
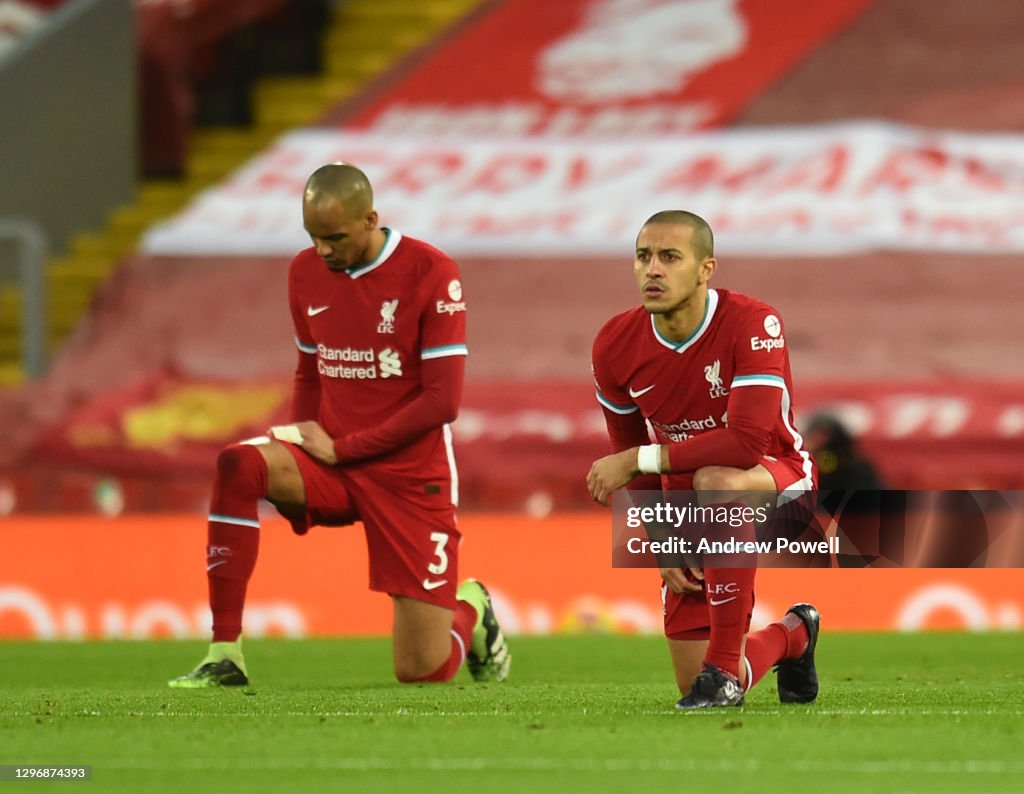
757, 343
456, 303
444, 307
773, 338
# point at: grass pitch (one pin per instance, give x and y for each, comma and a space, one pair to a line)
924, 713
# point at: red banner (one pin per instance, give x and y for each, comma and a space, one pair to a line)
773, 191
551, 575
605, 67
164, 423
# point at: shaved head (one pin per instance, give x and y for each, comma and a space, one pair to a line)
338, 213
342, 183
703, 241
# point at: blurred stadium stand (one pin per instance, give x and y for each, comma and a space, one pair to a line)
197, 63
218, 81
61, 178
181, 353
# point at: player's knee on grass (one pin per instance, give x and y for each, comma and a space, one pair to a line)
687, 661
685, 678
414, 665
410, 672
422, 638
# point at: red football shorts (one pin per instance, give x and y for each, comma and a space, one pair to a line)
411, 538
686, 615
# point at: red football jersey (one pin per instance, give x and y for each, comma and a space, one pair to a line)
684, 389
368, 330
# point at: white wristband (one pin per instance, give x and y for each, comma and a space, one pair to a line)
648, 459
288, 433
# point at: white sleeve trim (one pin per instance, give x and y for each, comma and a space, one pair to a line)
441, 352
758, 380
622, 410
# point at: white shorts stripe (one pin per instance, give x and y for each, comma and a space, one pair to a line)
798, 445
449, 449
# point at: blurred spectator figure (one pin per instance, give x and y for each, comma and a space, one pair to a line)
199, 58
871, 521
840, 463
947, 529
165, 89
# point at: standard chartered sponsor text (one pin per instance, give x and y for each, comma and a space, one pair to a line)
372, 364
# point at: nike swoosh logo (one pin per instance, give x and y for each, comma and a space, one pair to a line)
313, 312
213, 565
723, 601
635, 394
429, 585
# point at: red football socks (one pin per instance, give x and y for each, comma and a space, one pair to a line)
462, 632
730, 597
784, 639
233, 535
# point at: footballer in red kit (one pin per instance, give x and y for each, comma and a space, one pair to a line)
380, 325
364, 336
708, 369
735, 358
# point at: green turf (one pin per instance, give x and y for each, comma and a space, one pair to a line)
925, 713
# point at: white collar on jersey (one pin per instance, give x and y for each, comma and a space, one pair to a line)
391, 241
709, 312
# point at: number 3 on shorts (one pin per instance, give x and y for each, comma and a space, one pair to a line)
440, 541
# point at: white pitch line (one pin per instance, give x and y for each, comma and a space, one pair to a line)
811, 712
855, 712
630, 765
